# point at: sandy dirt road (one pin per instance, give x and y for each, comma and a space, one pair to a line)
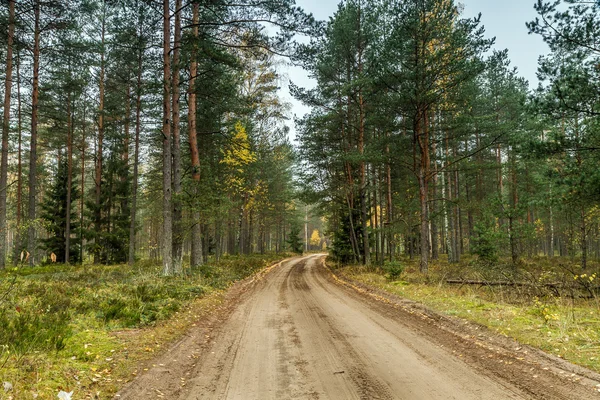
300, 334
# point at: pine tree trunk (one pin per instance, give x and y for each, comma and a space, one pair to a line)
458, 212
196, 256
19, 235
423, 141
99, 148
126, 140
450, 209
551, 250
136, 151
5, 129
69, 178
167, 239
434, 203
511, 219
82, 200
177, 231
375, 219
31, 245
390, 211
363, 179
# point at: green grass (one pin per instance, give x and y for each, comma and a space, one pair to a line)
86, 328
566, 327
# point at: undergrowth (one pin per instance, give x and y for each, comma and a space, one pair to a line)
85, 328
565, 323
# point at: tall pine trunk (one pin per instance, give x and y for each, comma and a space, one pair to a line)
31, 245
136, 151
422, 132
196, 256
390, 211
361, 149
5, 129
126, 140
82, 199
69, 178
99, 148
167, 239
19, 235
177, 231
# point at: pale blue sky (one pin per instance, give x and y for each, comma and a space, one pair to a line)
503, 19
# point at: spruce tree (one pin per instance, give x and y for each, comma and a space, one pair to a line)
294, 242
54, 214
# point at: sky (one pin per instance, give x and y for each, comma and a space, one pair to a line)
503, 19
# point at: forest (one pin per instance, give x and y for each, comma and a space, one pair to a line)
150, 163
424, 141
136, 130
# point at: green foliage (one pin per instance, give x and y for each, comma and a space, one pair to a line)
341, 245
109, 233
294, 242
40, 322
393, 270
54, 214
57, 320
486, 242
42, 305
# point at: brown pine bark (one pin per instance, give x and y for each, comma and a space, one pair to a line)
167, 239
5, 129
177, 231
196, 253
31, 245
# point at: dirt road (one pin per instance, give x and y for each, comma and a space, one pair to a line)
300, 334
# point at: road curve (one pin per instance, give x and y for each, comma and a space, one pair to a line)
301, 336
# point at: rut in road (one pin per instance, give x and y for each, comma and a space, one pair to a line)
301, 337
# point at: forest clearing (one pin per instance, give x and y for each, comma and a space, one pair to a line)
156, 178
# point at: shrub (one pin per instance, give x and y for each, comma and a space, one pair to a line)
486, 242
393, 270
32, 328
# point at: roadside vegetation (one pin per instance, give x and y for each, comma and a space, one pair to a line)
549, 304
86, 328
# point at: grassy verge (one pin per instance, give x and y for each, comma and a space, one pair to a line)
87, 328
566, 327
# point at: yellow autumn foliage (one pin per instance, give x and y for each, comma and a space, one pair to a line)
237, 156
315, 238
